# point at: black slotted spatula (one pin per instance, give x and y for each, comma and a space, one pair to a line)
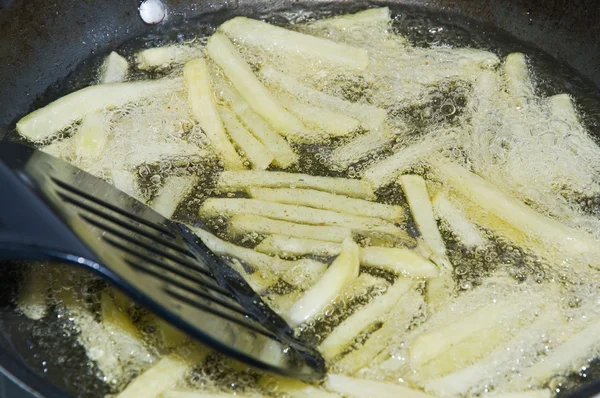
50, 210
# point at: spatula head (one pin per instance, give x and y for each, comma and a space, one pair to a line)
75, 217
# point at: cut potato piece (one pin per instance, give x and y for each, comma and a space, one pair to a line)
386, 171
323, 121
228, 207
468, 234
162, 57
44, 122
113, 317
361, 388
251, 89
547, 237
399, 320
243, 180
91, 137
294, 388
34, 291
202, 102
257, 154
204, 394
172, 193
341, 272
370, 117
518, 82
126, 182
277, 145
522, 394
286, 42
244, 223
366, 17
171, 336
165, 374
374, 311
302, 273
328, 201
361, 147
113, 69
401, 261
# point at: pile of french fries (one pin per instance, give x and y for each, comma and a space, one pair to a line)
402, 325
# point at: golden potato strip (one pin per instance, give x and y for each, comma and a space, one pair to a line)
290, 43
163, 57
228, 207
467, 232
257, 154
328, 201
243, 180
201, 99
172, 193
113, 69
341, 272
362, 388
374, 311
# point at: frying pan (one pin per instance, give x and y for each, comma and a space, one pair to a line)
44, 41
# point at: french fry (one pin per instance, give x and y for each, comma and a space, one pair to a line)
324, 122
400, 261
362, 388
202, 102
277, 145
237, 70
113, 69
518, 81
384, 172
399, 320
466, 231
230, 206
244, 223
126, 182
63, 112
172, 193
243, 180
301, 272
166, 373
361, 147
203, 394
523, 394
546, 237
162, 57
294, 388
379, 15
370, 117
91, 137
34, 292
256, 153
113, 317
374, 311
328, 201
287, 42
341, 272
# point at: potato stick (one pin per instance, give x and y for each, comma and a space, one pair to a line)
468, 234
126, 182
203, 394
287, 42
294, 388
91, 137
362, 388
522, 394
536, 228
162, 57
113, 317
171, 336
172, 193
417, 196
575, 352
366, 17
361, 147
277, 145
399, 320
328, 201
202, 102
318, 118
305, 215
165, 374
251, 89
524, 345
113, 69
375, 310
245, 223
341, 272
386, 171
518, 81
470, 338
401, 261
242, 180
63, 112
290, 271
370, 117
34, 291
256, 153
